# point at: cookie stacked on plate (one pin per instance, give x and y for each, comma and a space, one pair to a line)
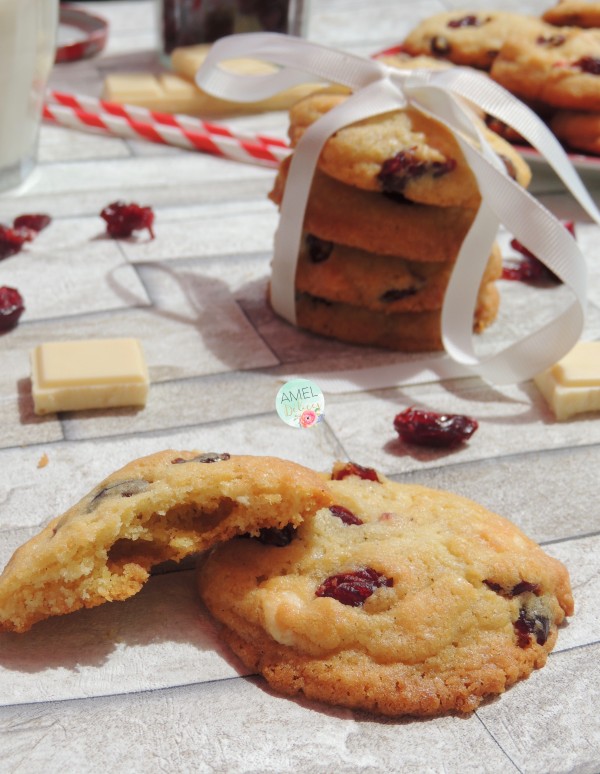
552, 68
391, 202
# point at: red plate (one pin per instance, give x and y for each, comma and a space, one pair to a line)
80, 35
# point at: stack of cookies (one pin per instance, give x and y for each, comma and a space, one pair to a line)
391, 202
554, 69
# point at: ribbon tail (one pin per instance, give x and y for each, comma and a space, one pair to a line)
496, 101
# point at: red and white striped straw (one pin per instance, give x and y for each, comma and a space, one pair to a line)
131, 122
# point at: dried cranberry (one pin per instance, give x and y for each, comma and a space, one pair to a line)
440, 45
352, 588
273, 536
522, 587
495, 587
551, 41
354, 469
428, 428
11, 307
345, 515
405, 165
529, 623
589, 64
13, 239
35, 222
466, 21
396, 294
319, 250
123, 219
531, 269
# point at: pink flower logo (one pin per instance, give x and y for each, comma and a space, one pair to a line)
307, 418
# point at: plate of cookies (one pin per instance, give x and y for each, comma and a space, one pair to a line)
550, 63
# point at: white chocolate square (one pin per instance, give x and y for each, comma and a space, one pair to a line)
572, 386
88, 374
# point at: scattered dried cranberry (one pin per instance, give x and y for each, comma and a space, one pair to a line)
529, 623
466, 21
273, 536
405, 165
123, 219
345, 515
589, 64
36, 222
13, 239
427, 428
352, 588
531, 269
319, 250
11, 307
354, 469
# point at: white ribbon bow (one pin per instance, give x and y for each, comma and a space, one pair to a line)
378, 89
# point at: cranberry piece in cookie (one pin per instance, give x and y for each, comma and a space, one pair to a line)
440, 46
353, 588
319, 250
531, 624
346, 515
353, 469
588, 64
396, 172
466, 21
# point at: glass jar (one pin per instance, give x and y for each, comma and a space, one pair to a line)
189, 22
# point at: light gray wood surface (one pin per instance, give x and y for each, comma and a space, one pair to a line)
145, 686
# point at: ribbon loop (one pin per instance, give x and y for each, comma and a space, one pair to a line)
447, 96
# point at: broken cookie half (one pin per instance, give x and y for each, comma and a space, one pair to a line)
162, 507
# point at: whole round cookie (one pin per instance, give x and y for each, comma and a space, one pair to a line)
402, 331
577, 129
402, 152
396, 599
559, 68
381, 283
573, 13
471, 38
162, 507
388, 225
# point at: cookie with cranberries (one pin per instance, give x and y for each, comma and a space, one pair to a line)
573, 13
166, 506
403, 153
381, 283
471, 38
552, 68
396, 599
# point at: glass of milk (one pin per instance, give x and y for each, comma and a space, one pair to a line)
27, 50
